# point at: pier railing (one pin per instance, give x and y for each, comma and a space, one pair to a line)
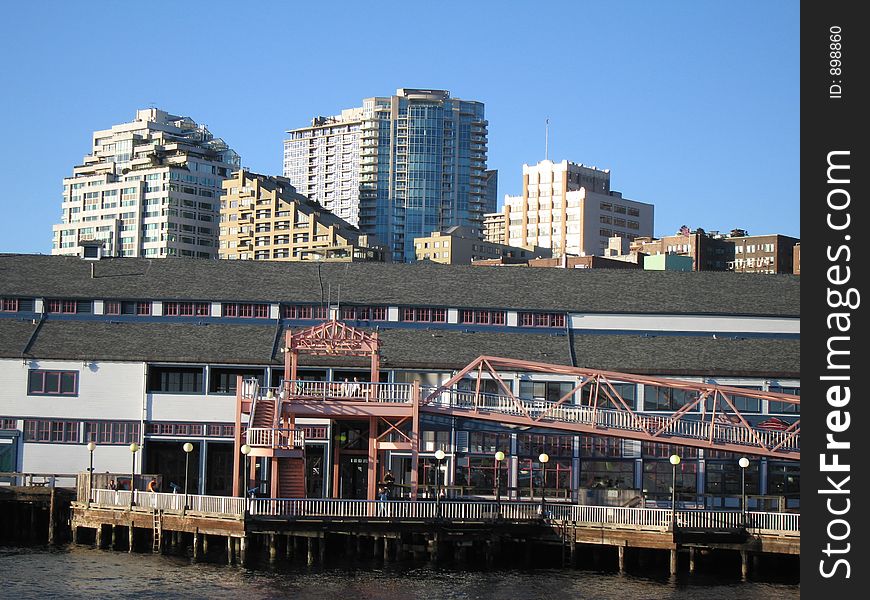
659, 519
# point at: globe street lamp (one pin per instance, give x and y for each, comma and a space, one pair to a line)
91, 447
188, 448
544, 458
439, 456
499, 456
134, 448
675, 460
246, 449
743, 462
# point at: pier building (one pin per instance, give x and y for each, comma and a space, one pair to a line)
517, 384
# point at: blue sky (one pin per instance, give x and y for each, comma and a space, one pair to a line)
694, 106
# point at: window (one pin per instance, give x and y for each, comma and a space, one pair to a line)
112, 432
628, 392
666, 398
248, 311
55, 305
9, 305
775, 406
112, 307
483, 317
51, 431
542, 319
424, 315
551, 391
222, 380
304, 311
52, 383
186, 309
175, 379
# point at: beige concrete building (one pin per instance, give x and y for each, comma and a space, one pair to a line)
495, 227
462, 245
150, 188
571, 209
264, 218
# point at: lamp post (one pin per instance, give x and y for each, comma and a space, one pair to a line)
439, 456
188, 448
91, 447
675, 460
743, 462
246, 449
134, 448
544, 458
499, 456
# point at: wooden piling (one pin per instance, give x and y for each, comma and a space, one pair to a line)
621, 558
692, 557
673, 561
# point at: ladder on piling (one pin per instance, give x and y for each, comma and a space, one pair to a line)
158, 530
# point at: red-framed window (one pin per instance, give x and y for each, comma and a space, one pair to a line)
379, 313
57, 305
248, 311
112, 432
542, 319
52, 383
554, 477
112, 307
6, 423
46, 430
424, 315
483, 317
186, 309
143, 308
9, 305
304, 311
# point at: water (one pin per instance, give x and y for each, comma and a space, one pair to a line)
85, 572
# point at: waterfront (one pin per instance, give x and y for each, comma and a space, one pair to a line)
85, 572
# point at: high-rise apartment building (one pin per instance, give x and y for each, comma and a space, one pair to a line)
420, 159
494, 227
323, 162
571, 209
264, 218
149, 188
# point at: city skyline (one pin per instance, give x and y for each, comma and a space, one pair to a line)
694, 109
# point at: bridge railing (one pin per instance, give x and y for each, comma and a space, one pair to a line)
614, 419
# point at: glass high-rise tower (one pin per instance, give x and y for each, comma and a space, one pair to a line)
400, 167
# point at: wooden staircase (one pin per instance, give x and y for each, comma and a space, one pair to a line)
291, 477
264, 414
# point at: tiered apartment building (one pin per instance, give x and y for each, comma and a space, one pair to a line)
264, 218
149, 188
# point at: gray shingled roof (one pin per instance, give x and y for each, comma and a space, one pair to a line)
423, 284
401, 348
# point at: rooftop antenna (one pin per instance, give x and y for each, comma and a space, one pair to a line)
547, 139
